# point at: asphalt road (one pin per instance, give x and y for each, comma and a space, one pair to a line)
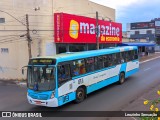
111, 98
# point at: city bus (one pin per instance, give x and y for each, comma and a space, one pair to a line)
56, 80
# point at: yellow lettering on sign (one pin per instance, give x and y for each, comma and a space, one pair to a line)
34, 61
102, 38
112, 39
45, 61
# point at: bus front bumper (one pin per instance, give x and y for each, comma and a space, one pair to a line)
48, 103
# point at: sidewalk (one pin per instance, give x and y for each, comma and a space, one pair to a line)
150, 56
138, 103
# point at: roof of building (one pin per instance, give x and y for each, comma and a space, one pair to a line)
137, 44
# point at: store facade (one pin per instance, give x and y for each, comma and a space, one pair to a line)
73, 33
41, 18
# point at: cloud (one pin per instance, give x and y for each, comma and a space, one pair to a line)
128, 11
115, 3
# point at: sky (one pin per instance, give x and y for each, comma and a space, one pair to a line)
128, 11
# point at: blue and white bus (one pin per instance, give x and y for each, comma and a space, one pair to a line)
56, 80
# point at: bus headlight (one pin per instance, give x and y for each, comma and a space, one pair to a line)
52, 95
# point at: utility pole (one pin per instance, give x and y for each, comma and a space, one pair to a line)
97, 31
28, 37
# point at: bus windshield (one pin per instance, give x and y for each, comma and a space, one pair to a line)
41, 78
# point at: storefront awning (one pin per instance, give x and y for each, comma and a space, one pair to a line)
139, 44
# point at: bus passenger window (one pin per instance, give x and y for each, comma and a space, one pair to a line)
78, 67
63, 73
114, 59
90, 64
100, 63
110, 61
119, 58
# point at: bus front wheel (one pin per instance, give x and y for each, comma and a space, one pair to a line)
80, 95
121, 78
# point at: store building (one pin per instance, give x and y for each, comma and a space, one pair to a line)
41, 23
78, 33
144, 34
141, 30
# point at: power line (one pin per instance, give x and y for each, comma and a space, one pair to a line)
7, 38
12, 17
11, 41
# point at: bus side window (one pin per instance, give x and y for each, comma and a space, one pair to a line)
110, 61
96, 63
100, 62
132, 53
114, 59
125, 56
78, 67
135, 54
90, 64
105, 61
122, 58
118, 58
63, 73
128, 56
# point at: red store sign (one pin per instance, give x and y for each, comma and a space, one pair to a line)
78, 29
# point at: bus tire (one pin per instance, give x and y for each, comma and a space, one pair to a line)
80, 95
121, 78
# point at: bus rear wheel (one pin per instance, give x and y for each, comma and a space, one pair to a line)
80, 95
121, 78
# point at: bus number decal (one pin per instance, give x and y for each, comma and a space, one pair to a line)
70, 86
80, 81
66, 98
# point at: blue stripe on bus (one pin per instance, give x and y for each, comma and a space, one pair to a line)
41, 95
129, 73
66, 98
102, 84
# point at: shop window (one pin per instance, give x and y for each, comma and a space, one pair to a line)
61, 49
92, 46
76, 47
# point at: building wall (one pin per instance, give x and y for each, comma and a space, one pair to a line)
142, 33
41, 29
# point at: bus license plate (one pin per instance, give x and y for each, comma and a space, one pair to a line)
38, 102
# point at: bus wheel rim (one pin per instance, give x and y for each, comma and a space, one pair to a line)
80, 95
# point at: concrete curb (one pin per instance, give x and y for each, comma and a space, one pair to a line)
21, 83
